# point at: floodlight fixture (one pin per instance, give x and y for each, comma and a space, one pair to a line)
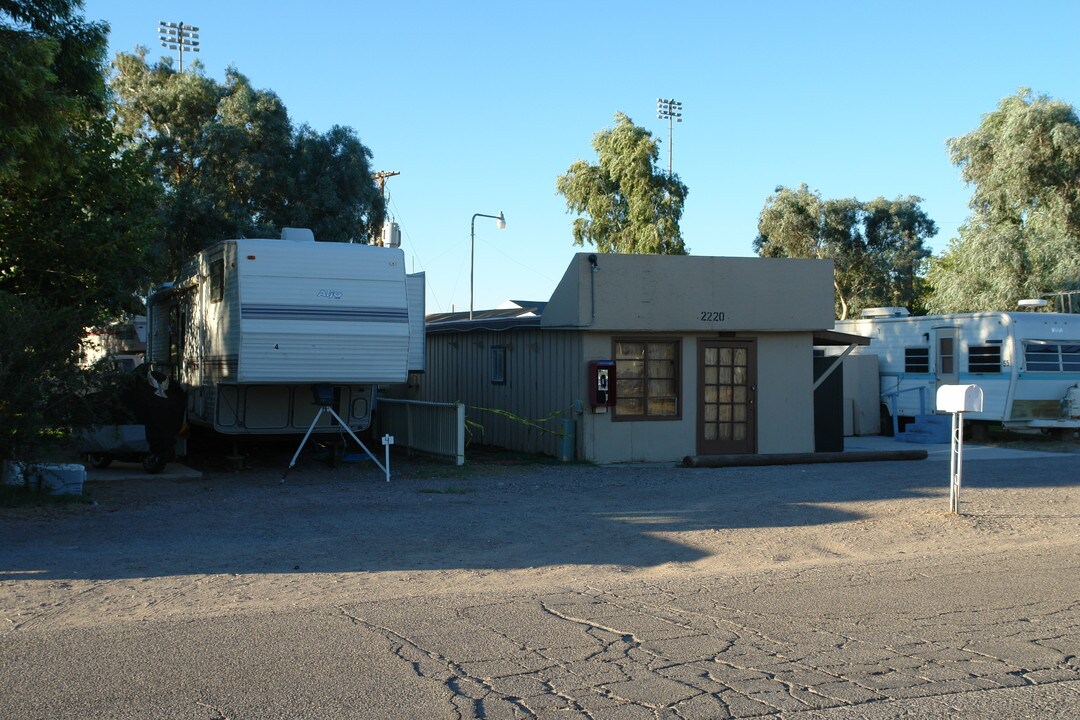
180, 37
670, 110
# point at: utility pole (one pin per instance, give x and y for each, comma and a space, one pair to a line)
670, 110
179, 37
380, 177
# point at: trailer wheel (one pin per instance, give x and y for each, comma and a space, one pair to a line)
886, 422
153, 464
99, 461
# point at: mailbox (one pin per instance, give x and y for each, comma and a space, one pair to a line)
959, 398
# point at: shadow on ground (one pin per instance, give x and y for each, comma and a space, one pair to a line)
500, 512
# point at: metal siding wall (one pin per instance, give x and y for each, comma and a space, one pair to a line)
541, 366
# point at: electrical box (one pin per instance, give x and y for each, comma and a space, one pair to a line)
959, 398
602, 383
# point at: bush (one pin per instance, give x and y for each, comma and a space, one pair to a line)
42, 388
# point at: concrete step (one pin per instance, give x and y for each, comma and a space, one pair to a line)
928, 429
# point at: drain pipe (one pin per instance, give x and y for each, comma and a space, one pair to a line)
592, 287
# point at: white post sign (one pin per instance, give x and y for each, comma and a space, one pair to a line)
958, 399
387, 441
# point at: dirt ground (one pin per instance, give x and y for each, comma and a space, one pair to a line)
514, 587
234, 540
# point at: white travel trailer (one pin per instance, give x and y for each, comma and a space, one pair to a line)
250, 326
1027, 363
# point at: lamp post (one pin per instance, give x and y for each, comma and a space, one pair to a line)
669, 110
179, 37
500, 222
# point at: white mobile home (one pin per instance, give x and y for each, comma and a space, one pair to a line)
1027, 363
250, 325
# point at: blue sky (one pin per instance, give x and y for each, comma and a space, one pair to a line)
481, 105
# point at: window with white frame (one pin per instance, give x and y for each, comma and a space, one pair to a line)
1051, 357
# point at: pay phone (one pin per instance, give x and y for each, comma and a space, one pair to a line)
602, 383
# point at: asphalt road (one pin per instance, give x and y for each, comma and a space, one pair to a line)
987, 626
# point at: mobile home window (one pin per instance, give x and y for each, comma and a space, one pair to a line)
984, 358
498, 365
648, 379
217, 279
917, 360
1046, 357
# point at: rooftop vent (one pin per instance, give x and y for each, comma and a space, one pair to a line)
1031, 303
303, 234
885, 312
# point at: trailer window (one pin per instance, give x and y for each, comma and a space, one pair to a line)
984, 358
1070, 358
917, 360
1045, 357
217, 280
648, 373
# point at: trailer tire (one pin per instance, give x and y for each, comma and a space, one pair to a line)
99, 461
886, 422
153, 464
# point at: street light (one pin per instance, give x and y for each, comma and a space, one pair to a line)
500, 222
669, 110
179, 37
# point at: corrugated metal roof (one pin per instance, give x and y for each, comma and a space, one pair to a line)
522, 313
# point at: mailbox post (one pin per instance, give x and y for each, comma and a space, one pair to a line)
958, 399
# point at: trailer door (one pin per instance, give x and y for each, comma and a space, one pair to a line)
948, 361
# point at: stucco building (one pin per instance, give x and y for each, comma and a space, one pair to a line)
651, 357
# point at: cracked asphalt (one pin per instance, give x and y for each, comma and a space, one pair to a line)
812, 592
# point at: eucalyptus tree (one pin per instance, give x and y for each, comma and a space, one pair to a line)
1023, 235
625, 203
231, 164
878, 248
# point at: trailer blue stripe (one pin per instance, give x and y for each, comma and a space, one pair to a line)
326, 314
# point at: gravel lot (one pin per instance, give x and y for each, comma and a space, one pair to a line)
511, 588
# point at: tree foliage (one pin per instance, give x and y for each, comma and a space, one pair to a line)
50, 71
1023, 235
76, 213
878, 247
230, 163
629, 206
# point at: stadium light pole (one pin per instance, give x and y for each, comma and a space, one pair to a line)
179, 37
500, 222
670, 110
